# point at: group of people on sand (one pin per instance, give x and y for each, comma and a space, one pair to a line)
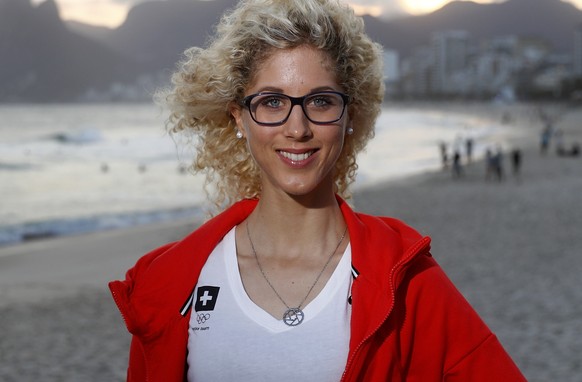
551, 134
494, 168
456, 158
548, 134
494, 160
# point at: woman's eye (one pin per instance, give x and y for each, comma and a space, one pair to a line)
273, 102
321, 101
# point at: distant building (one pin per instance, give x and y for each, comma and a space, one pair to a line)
391, 70
415, 79
451, 53
577, 59
391, 65
496, 66
549, 81
502, 68
494, 71
533, 51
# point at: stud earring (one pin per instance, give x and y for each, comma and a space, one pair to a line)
239, 134
349, 131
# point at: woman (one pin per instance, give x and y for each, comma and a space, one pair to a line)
289, 282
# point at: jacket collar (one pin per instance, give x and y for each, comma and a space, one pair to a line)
381, 248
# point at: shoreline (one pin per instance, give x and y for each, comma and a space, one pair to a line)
511, 248
26, 217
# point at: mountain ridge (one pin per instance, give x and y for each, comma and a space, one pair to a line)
49, 63
552, 20
46, 59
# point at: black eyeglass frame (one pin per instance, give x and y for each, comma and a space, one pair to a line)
246, 102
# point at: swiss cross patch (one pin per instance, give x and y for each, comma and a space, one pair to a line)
206, 297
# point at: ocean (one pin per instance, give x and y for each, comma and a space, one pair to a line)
75, 168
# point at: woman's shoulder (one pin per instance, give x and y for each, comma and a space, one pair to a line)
386, 226
150, 257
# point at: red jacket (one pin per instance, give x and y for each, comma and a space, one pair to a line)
409, 323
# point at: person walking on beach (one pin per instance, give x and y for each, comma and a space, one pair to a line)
444, 155
469, 149
494, 164
288, 282
498, 163
516, 158
457, 166
545, 138
489, 164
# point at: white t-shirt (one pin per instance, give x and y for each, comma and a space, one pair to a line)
233, 339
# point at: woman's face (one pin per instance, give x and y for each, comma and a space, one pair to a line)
296, 157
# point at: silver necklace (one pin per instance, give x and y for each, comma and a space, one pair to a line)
293, 316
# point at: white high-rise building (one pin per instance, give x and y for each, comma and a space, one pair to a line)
577, 62
391, 70
451, 53
391, 65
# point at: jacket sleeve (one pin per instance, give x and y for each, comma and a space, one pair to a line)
447, 336
488, 362
136, 371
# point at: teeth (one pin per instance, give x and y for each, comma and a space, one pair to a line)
296, 157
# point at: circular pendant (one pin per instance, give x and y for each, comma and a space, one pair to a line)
293, 316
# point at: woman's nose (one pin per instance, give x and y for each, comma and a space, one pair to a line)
297, 125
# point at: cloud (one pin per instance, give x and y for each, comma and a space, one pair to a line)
128, 2
112, 13
387, 8
376, 7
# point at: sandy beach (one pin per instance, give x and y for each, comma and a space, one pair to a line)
512, 247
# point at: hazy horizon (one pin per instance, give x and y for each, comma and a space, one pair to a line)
112, 13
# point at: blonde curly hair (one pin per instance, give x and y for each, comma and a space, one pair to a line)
209, 80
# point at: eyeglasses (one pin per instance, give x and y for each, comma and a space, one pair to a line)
273, 109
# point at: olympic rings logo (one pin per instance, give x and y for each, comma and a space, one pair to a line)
202, 317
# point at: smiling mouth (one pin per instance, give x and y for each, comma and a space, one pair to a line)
297, 157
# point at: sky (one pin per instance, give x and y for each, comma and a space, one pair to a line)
111, 13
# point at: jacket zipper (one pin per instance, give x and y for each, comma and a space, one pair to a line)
415, 250
116, 299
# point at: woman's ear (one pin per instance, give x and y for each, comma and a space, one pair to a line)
236, 112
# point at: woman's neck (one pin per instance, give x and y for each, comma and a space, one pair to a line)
292, 225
